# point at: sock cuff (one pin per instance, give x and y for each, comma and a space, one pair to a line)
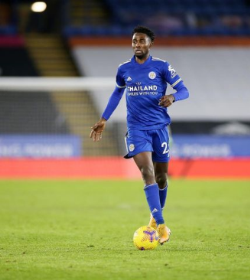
150, 186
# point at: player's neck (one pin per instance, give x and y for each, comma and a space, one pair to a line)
141, 60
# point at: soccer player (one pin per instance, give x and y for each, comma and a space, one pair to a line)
144, 79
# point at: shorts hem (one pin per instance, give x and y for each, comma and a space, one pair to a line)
129, 155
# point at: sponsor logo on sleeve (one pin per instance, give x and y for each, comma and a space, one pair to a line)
172, 71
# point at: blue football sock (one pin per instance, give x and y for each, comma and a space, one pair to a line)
163, 196
152, 195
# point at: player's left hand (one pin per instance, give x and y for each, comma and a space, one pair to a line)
97, 130
166, 100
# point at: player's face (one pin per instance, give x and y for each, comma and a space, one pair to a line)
141, 44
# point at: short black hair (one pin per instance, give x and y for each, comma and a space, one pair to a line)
144, 30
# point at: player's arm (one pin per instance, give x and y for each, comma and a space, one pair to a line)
98, 128
180, 94
113, 102
177, 84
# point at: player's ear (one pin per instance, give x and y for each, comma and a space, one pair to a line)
151, 42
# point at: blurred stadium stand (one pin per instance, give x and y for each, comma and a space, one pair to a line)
24, 113
118, 17
31, 45
167, 17
24, 65
207, 41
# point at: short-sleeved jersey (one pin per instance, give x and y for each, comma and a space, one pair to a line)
145, 84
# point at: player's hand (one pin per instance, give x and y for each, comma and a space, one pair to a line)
97, 129
166, 100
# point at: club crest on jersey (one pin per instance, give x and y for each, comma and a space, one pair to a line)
131, 147
152, 75
172, 71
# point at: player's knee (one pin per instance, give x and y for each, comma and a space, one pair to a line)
161, 180
147, 174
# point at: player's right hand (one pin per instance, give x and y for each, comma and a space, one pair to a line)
97, 129
166, 100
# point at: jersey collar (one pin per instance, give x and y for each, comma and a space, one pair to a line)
143, 64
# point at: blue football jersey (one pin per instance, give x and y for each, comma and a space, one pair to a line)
145, 84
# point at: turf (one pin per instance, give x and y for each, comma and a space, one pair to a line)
83, 230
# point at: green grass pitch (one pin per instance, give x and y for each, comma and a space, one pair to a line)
80, 229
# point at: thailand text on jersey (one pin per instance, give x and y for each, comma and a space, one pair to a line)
145, 84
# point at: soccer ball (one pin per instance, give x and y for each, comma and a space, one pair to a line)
146, 238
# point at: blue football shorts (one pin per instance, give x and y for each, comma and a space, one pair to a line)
155, 141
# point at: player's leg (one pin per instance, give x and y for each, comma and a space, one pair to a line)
161, 169
144, 163
160, 158
139, 146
